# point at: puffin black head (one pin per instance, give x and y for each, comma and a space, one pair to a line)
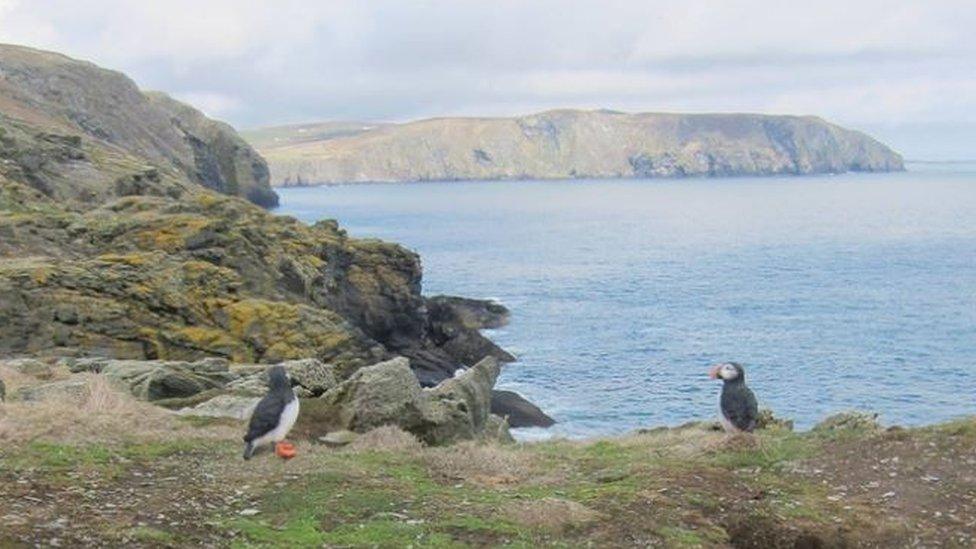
278, 378
727, 371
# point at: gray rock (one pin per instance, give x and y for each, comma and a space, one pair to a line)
158, 380
453, 324
475, 314
30, 367
79, 365
337, 439
458, 408
253, 385
497, 429
389, 394
520, 412
231, 406
381, 394
72, 389
310, 378
313, 375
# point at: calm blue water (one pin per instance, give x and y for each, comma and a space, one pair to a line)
840, 292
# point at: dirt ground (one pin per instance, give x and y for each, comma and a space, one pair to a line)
115, 472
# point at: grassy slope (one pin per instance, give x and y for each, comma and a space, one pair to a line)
156, 479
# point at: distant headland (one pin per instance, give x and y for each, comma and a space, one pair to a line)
567, 144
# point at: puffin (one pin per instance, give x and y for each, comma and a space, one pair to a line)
737, 405
275, 414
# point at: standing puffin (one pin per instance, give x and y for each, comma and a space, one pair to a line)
737, 405
274, 415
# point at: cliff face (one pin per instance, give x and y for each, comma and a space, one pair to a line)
579, 144
118, 239
75, 131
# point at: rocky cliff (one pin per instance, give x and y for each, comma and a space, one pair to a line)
78, 132
123, 234
572, 144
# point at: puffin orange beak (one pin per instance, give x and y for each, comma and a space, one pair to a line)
713, 373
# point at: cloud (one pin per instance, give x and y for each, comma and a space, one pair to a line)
870, 62
214, 105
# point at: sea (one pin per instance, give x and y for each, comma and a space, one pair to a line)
836, 292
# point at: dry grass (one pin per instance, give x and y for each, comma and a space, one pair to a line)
15, 379
479, 463
679, 443
388, 438
100, 413
552, 514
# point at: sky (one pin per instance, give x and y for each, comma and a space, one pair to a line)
904, 71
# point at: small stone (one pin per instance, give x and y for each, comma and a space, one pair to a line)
611, 475
337, 439
249, 512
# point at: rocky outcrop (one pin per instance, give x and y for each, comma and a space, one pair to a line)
63, 390
389, 394
518, 411
459, 408
383, 394
474, 314
78, 132
123, 236
206, 275
453, 325
568, 144
229, 406
165, 380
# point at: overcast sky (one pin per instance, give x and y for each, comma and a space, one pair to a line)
903, 70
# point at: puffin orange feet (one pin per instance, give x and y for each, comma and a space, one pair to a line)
285, 450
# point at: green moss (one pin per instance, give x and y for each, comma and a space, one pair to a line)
62, 456
151, 535
385, 533
675, 536
771, 451
300, 532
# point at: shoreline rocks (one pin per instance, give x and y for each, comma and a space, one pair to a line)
519, 411
126, 234
389, 394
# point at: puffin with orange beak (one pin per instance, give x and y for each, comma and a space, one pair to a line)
737, 405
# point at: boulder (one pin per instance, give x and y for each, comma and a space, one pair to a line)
68, 389
80, 365
475, 314
497, 429
157, 380
849, 421
520, 412
388, 394
30, 367
313, 375
232, 406
310, 378
382, 394
458, 409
